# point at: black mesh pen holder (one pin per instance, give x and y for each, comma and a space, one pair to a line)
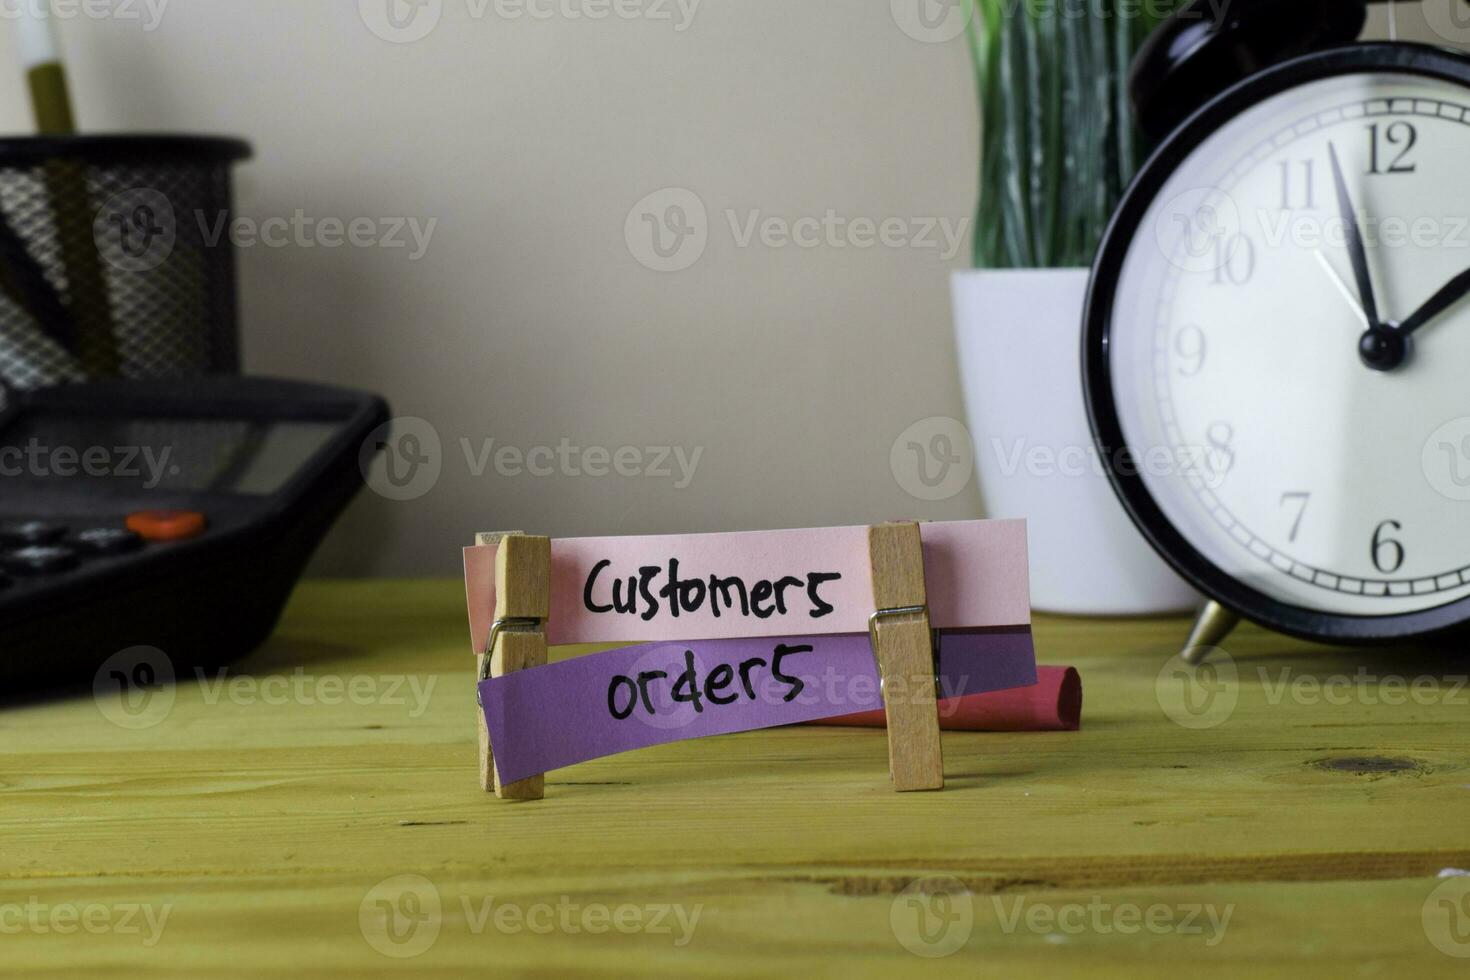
116, 259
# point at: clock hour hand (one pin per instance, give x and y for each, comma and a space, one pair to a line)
1449, 294
1354, 236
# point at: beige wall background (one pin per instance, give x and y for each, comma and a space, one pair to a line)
529, 131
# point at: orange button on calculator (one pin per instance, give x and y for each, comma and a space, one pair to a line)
167, 525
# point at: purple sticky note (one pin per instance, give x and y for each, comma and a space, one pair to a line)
605, 703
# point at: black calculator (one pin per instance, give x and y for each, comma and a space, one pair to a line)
175, 515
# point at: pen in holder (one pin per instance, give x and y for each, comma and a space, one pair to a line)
116, 258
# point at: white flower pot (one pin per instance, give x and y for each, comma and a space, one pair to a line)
1020, 352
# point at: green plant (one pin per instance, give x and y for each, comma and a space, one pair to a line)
1058, 143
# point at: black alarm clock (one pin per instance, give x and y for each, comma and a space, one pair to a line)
1277, 333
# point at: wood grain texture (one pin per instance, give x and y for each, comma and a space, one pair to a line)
523, 577
904, 646
273, 814
486, 755
522, 591
513, 652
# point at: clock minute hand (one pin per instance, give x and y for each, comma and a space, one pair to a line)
1449, 294
1354, 237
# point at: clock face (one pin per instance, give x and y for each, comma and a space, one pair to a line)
1285, 347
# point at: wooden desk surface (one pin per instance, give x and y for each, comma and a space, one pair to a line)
264, 824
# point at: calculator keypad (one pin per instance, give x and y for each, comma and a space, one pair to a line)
167, 525
107, 541
40, 560
33, 550
28, 534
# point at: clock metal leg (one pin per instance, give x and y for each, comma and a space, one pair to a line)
1211, 626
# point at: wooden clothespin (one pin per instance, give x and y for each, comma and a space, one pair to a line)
517, 639
904, 647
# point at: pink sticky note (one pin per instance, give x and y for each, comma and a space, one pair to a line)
1052, 704
975, 572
